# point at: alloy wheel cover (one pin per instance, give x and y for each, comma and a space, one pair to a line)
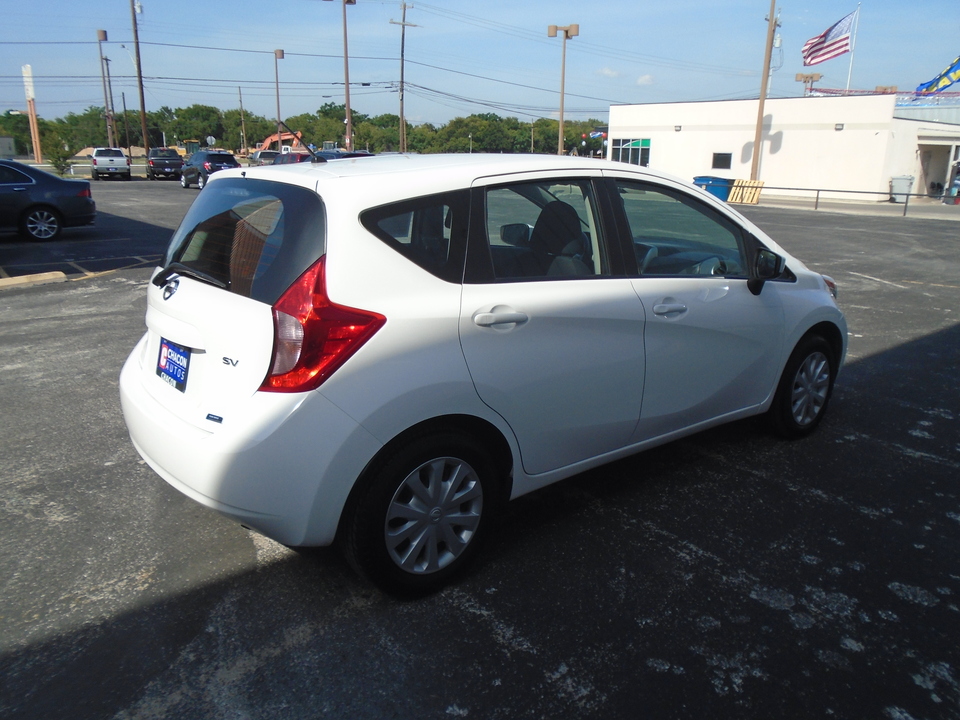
433, 515
810, 388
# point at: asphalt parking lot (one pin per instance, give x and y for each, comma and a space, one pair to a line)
726, 575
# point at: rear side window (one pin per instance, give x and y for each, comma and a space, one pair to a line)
255, 236
430, 231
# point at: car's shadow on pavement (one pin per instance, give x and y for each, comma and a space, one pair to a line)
775, 572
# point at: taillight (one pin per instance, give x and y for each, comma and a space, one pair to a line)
94, 161
313, 336
151, 162
207, 165
85, 193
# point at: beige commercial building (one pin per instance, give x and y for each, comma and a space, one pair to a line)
829, 143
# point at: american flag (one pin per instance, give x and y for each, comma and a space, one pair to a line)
831, 43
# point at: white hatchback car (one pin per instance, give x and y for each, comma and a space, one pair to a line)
382, 351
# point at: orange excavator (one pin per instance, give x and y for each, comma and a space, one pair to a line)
279, 138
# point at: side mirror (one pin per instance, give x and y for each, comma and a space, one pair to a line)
766, 266
515, 234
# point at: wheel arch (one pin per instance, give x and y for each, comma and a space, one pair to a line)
468, 425
831, 333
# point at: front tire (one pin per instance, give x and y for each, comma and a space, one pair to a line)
41, 224
418, 517
805, 388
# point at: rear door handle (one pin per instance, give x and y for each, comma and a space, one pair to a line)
488, 319
668, 308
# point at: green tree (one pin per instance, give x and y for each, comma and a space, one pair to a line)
196, 123
17, 126
56, 144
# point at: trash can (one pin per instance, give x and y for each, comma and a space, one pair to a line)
900, 187
716, 186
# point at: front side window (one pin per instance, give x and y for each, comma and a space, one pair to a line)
254, 236
429, 231
547, 229
675, 234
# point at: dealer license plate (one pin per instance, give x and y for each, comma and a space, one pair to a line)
173, 364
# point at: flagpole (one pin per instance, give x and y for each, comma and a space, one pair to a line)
853, 45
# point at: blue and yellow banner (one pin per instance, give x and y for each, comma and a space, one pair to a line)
942, 81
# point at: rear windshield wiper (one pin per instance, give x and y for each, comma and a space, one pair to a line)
177, 268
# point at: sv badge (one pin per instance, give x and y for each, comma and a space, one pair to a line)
231, 362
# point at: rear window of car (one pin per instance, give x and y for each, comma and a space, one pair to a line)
221, 157
109, 153
429, 231
164, 153
254, 236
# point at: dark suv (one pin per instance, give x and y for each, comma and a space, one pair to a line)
204, 163
163, 162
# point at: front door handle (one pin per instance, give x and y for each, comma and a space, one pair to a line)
489, 319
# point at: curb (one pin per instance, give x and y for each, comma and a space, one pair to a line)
37, 279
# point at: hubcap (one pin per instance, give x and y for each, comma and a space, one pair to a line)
42, 224
434, 515
810, 388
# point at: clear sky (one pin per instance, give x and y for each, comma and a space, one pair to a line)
462, 58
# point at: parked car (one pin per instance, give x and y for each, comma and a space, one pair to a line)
298, 156
381, 353
39, 204
262, 157
202, 164
291, 157
163, 162
109, 162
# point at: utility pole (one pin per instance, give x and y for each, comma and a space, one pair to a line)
111, 111
758, 136
143, 105
403, 37
243, 127
126, 128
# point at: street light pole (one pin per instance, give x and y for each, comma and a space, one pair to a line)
277, 56
403, 39
102, 38
568, 31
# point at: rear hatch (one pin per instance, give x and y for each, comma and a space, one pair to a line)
210, 326
220, 161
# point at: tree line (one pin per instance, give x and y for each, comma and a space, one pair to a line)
486, 132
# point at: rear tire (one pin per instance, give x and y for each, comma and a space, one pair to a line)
184, 183
41, 224
805, 388
201, 181
417, 518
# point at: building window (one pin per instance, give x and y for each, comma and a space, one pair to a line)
635, 152
722, 161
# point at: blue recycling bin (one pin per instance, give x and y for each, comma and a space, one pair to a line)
716, 186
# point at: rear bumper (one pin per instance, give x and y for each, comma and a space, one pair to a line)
281, 464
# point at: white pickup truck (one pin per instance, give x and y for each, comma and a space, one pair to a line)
109, 161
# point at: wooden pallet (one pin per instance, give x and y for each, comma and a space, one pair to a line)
746, 192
